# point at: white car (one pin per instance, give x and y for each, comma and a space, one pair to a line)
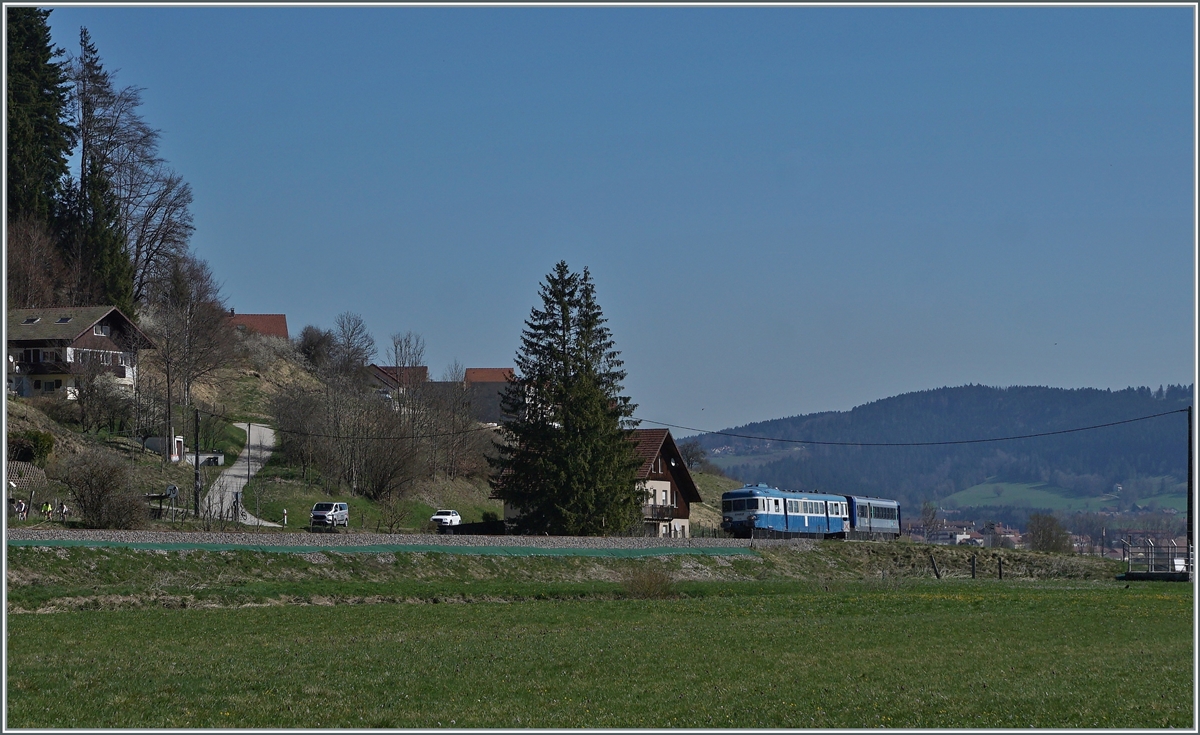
329, 515
446, 518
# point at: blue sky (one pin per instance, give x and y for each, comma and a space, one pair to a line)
785, 210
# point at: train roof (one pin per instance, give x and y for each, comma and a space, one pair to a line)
764, 489
872, 499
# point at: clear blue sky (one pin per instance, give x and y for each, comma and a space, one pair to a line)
785, 210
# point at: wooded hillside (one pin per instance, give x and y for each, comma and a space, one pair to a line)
1087, 462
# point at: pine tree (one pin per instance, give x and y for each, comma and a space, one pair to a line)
40, 136
567, 460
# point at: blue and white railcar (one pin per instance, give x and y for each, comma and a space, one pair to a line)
763, 511
873, 518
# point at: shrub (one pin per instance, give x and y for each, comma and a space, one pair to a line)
31, 446
490, 516
20, 449
646, 582
98, 483
57, 408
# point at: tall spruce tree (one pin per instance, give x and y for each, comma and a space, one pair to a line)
40, 136
567, 459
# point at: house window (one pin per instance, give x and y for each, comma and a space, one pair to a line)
37, 384
664, 497
63, 320
101, 330
31, 320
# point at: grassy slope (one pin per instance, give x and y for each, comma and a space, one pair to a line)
922, 654
278, 486
149, 474
708, 513
1043, 495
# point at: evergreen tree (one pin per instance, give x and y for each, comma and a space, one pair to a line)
39, 134
110, 266
567, 460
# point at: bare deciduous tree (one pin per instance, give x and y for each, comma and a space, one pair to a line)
152, 200
352, 347
98, 482
189, 323
33, 264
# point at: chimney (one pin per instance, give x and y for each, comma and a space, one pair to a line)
231, 311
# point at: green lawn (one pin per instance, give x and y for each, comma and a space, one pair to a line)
917, 654
1043, 496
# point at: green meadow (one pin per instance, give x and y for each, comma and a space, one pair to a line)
1044, 496
840, 636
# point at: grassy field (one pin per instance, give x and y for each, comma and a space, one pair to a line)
921, 654
1044, 496
62, 579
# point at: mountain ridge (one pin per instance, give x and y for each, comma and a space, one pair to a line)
1085, 461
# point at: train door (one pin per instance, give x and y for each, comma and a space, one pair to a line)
775, 514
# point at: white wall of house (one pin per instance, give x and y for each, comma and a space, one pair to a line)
658, 492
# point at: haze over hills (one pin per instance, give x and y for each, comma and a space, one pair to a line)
1146, 457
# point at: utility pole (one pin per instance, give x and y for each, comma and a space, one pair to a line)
1191, 486
196, 487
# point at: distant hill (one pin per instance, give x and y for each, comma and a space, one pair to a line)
1150, 456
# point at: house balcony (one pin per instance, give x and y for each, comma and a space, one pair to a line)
122, 372
658, 512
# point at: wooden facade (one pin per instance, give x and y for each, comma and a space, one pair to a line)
669, 487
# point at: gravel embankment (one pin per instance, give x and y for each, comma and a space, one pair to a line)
371, 539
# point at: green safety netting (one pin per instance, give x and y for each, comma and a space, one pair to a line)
398, 548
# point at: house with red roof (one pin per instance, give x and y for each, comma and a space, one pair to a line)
268, 325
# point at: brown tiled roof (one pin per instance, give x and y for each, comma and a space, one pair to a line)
487, 375
270, 325
649, 442
652, 442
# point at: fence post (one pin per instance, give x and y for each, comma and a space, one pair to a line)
932, 561
972, 566
1000, 568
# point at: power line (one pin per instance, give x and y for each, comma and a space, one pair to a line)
409, 437
915, 444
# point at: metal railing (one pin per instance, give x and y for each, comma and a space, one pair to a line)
1150, 557
658, 512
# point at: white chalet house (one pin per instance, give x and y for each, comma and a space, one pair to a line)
50, 350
